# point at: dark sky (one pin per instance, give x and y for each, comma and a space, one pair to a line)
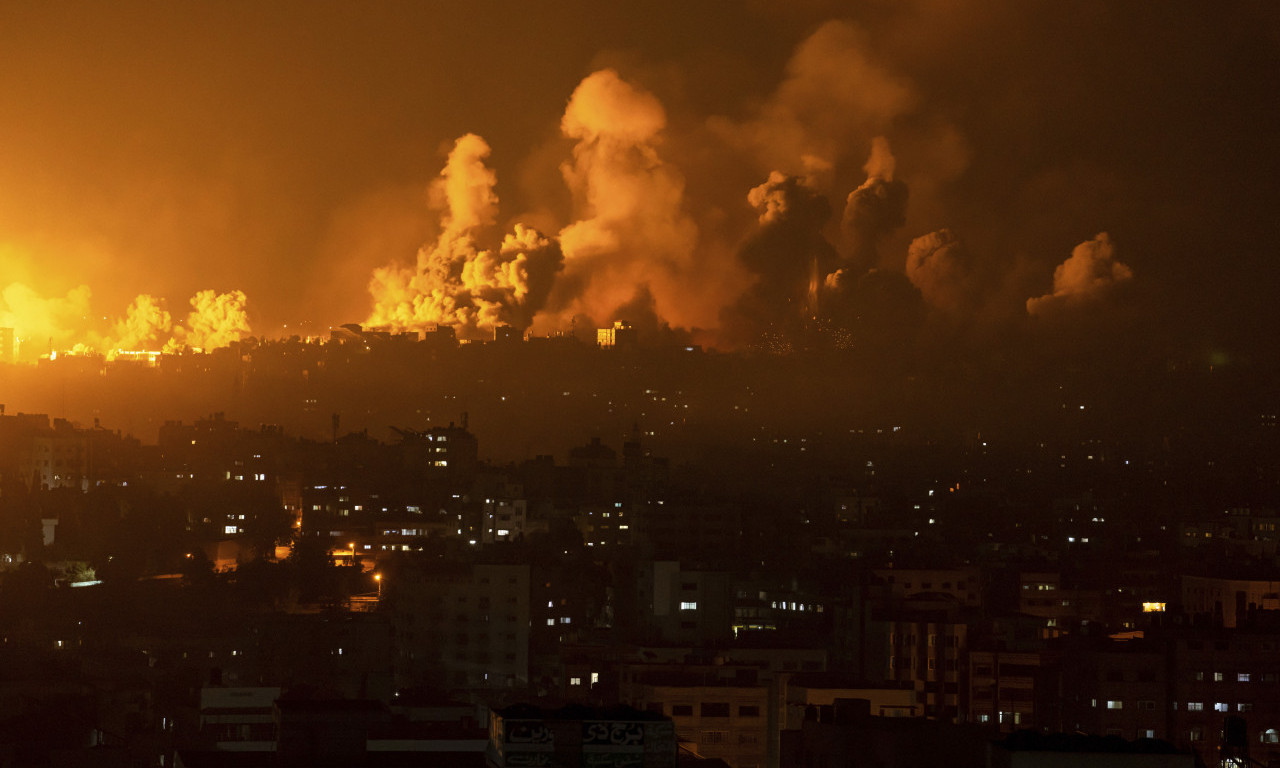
288, 150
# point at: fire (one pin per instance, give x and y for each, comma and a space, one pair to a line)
55, 326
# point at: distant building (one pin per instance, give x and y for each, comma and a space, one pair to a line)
505, 334
466, 626
620, 335
525, 735
1228, 601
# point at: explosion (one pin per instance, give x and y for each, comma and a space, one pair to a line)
1090, 272
61, 325
456, 283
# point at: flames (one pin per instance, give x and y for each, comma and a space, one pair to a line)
808, 219
52, 325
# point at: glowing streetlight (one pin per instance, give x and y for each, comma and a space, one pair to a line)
377, 577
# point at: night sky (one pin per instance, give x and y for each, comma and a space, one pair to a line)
709, 167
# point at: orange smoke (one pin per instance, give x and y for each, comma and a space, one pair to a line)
453, 281
1090, 272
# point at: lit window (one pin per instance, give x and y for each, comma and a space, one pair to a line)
1218, 677
1242, 677
575, 681
689, 606
1115, 704
1221, 706
230, 529
595, 677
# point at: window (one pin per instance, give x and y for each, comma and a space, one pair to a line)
1196, 734
1149, 734
1242, 677
1244, 706
1115, 704
714, 709
1221, 706
1270, 736
1146, 705
1218, 677
681, 710
713, 737
751, 710
689, 606
1195, 706
575, 681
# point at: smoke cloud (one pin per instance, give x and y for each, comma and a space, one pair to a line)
632, 236
788, 257
876, 208
145, 323
41, 323
216, 320
456, 283
835, 96
940, 266
1089, 273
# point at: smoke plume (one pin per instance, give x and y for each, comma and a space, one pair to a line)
939, 265
788, 257
40, 322
456, 283
632, 236
145, 323
835, 96
1090, 272
876, 208
216, 320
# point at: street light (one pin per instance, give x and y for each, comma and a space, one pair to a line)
377, 577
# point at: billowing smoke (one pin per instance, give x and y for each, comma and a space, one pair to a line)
940, 266
216, 320
44, 324
875, 209
456, 283
835, 96
632, 236
145, 326
66, 324
788, 257
1090, 272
